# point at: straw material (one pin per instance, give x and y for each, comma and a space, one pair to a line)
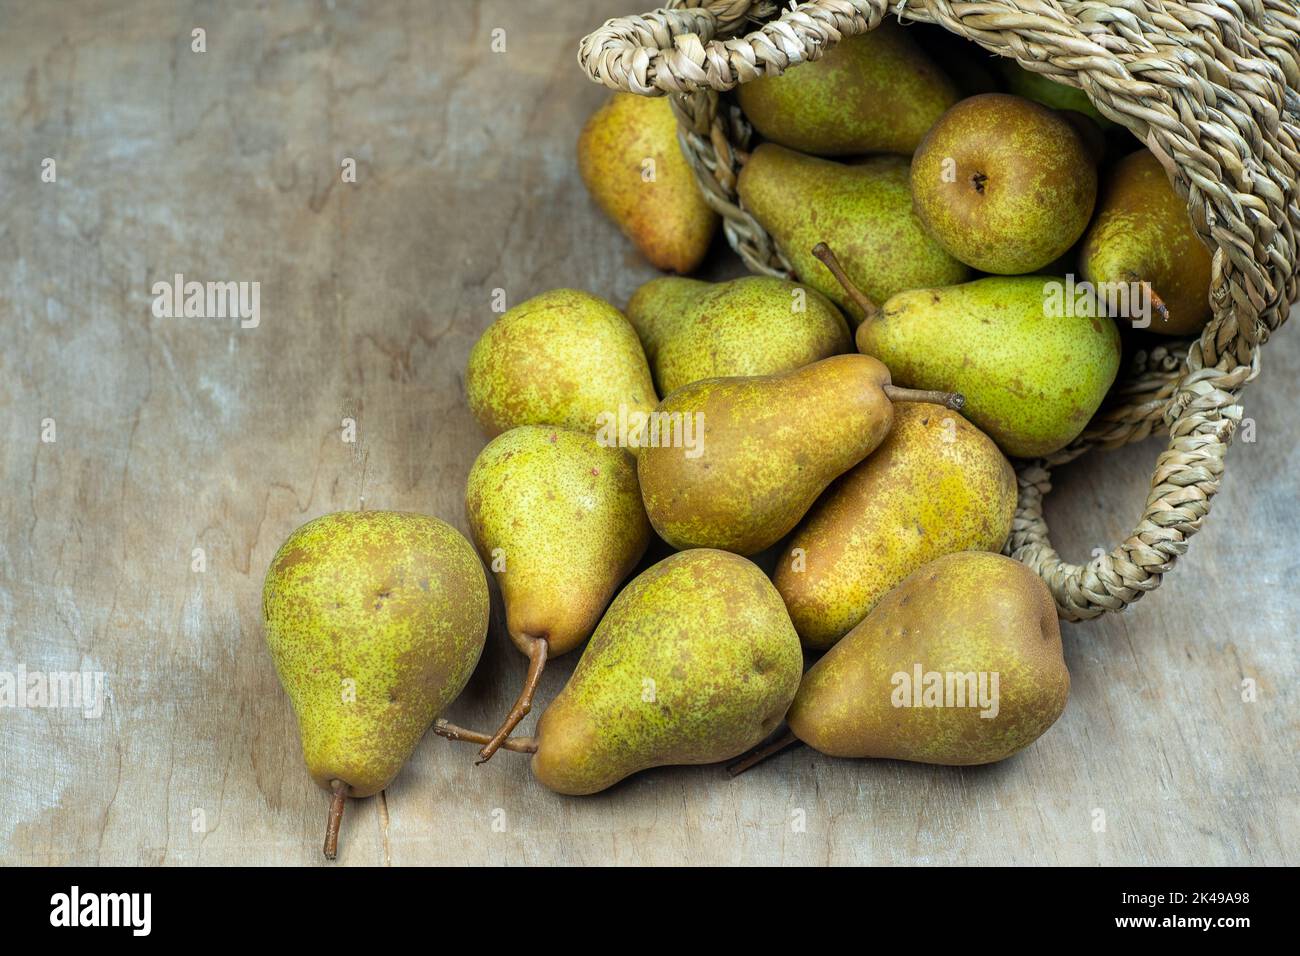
1209, 88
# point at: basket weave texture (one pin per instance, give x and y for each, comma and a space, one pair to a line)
1209, 88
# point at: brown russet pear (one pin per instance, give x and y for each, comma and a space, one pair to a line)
936, 485
960, 664
734, 463
375, 621
877, 92
1003, 183
565, 358
863, 210
629, 157
559, 521
694, 662
1032, 367
755, 325
1143, 236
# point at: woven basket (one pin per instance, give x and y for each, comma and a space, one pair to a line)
1210, 88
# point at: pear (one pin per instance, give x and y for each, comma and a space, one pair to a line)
734, 463
873, 93
558, 518
375, 621
756, 325
1003, 183
565, 358
1142, 234
1050, 93
694, 662
986, 625
863, 210
1032, 366
629, 157
960, 664
934, 486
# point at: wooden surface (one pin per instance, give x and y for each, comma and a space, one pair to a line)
176, 434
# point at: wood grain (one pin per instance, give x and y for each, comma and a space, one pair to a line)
176, 434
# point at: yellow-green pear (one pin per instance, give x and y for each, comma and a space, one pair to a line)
559, 521
629, 157
565, 358
375, 621
756, 325
1042, 89
877, 92
734, 463
863, 210
936, 485
1032, 362
1141, 243
960, 664
1004, 184
694, 662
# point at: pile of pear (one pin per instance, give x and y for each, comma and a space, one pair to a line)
824, 459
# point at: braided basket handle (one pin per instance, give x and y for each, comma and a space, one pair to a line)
675, 51
1212, 93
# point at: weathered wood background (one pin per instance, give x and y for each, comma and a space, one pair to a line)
177, 434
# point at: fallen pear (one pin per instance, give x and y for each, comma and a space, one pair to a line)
936, 485
564, 358
558, 519
375, 621
694, 662
1033, 373
734, 463
960, 664
756, 325
633, 166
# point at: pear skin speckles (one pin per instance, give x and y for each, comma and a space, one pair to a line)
936, 485
695, 662
970, 613
561, 358
562, 516
375, 621
629, 157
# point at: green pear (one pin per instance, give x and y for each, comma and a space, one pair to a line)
756, 325
629, 157
734, 463
873, 93
1032, 363
1004, 184
558, 518
960, 664
375, 620
1057, 96
563, 358
863, 210
936, 485
1032, 378
1143, 235
694, 662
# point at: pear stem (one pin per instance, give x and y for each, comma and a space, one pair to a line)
337, 799
759, 754
519, 745
869, 309
954, 400
537, 648
1157, 303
